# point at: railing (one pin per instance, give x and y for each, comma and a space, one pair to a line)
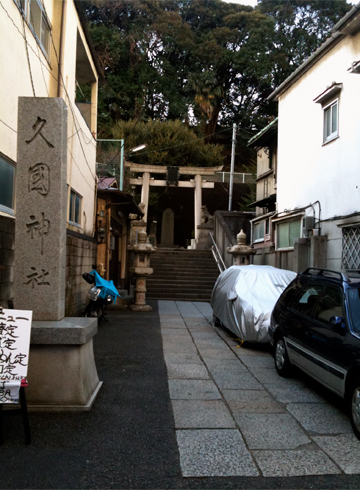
239, 178
217, 256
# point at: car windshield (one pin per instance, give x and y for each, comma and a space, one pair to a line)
353, 295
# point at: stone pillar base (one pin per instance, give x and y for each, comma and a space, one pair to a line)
62, 373
140, 308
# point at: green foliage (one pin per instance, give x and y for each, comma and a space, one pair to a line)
205, 62
168, 143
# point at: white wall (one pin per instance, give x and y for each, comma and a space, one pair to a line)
15, 82
308, 170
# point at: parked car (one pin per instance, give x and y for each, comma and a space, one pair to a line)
244, 296
315, 326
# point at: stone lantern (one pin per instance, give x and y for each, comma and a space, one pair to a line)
141, 269
241, 251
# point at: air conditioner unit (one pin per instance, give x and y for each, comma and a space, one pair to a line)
308, 223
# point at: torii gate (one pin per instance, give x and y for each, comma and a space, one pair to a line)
197, 183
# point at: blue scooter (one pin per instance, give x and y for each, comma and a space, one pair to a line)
102, 294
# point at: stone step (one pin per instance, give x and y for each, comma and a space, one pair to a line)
183, 282
180, 297
180, 274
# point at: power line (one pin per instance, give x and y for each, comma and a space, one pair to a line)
8, 126
28, 44
27, 56
70, 102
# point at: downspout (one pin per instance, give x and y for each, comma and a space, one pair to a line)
60, 64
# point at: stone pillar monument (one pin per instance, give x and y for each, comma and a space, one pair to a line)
145, 193
141, 269
41, 207
167, 228
241, 252
62, 373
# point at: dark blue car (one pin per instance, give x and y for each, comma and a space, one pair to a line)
315, 326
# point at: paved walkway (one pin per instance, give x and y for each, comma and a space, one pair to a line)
234, 416
210, 416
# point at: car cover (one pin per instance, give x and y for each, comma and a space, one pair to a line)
244, 297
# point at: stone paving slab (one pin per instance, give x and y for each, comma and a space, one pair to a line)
187, 371
281, 442
293, 393
320, 418
222, 366
199, 328
294, 463
204, 335
182, 358
178, 346
271, 431
246, 352
193, 389
217, 354
268, 376
255, 362
251, 401
344, 449
236, 381
202, 414
177, 326
206, 453
204, 345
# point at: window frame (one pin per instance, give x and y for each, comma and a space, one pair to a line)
288, 221
257, 226
328, 108
3, 207
72, 209
25, 11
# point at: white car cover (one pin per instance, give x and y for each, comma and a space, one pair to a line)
244, 297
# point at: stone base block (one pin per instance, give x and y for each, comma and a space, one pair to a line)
62, 373
140, 308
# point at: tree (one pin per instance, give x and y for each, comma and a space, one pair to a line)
300, 27
205, 62
167, 143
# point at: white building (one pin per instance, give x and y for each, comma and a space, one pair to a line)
317, 220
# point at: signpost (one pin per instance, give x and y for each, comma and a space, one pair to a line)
15, 330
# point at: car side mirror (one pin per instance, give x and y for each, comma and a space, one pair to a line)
338, 322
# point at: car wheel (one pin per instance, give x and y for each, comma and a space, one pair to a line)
282, 363
354, 399
216, 322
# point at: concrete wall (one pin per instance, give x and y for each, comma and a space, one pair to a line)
227, 225
7, 235
80, 258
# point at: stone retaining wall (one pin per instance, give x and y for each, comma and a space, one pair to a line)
80, 258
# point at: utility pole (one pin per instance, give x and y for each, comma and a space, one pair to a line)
231, 185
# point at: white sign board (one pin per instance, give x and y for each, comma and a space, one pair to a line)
15, 330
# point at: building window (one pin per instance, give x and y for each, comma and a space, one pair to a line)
331, 121
287, 232
351, 248
75, 208
35, 15
7, 183
259, 230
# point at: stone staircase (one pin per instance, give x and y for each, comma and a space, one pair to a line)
181, 275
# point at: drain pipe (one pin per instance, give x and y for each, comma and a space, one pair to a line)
60, 60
